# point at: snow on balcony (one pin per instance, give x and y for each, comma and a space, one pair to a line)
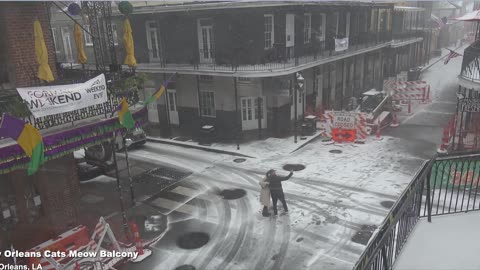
448, 242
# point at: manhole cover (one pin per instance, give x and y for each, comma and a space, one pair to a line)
387, 204
185, 267
193, 240
239, 160
364, 234
293, 167
232, 194
335, 151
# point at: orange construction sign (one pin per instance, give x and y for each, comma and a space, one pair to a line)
344, 135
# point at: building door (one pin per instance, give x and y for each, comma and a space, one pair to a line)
67, 44
172, 106
250, 112
152, 107
290, 35
153, 41
300, 103
206, 41
319, 90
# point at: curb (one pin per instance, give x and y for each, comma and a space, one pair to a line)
315, 137
150, 139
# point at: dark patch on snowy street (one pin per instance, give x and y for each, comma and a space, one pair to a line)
185, 267
364, 234
293, 167
387, 204
335, 151
239, 160
193, 240
232, 194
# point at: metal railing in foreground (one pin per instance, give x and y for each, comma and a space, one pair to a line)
444, 185
383, 249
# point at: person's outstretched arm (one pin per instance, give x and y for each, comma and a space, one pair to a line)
280, 178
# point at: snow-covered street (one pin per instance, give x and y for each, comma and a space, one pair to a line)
335, 203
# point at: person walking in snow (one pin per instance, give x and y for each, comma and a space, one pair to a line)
265, 196
276, 189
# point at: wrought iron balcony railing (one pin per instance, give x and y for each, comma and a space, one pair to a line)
444, 185
471, 63
277, 58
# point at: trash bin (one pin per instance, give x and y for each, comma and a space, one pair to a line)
309, 125
413, 74
207, 135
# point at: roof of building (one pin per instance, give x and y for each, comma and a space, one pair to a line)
187, 5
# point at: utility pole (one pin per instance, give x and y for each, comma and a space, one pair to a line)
298, 84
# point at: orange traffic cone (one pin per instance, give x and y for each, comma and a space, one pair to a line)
443, 147
142, 253
395, 122
138, 241
378, 136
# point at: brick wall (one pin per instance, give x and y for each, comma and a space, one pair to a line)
17, 19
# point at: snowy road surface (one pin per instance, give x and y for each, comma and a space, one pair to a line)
329, 202
335, 202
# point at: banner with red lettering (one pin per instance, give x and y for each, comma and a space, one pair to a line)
55, 99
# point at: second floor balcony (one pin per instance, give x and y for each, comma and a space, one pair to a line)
279, 58
470, 72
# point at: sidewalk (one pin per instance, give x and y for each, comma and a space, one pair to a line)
252, 149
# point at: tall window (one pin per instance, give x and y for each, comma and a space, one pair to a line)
55, 41
347, 24
114, 34
207, 103
307, 28
268, 31
88, 37
321, 28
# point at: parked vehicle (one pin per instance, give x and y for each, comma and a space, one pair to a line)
100, 154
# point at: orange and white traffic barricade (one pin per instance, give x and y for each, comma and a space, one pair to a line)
408, 91
76, 241
361, 127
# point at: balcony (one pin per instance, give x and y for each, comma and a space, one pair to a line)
470, 72
279, 59
428, 227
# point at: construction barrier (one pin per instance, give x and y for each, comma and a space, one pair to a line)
77, 239
358, 132
70, 240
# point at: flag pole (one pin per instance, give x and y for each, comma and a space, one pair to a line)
119, 187
130, 179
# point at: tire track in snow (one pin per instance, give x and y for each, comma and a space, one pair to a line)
219, 235
270, 236
235, 249
317, 181
284, 244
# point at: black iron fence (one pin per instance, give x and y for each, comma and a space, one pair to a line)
443, 185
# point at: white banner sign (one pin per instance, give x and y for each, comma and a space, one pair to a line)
341, 44
48, 100
344, 120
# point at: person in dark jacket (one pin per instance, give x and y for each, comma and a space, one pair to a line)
276, 189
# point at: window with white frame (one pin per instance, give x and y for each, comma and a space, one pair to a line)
268, 31
307, 28
114, 34
206, 78
347, 25
55, 41
244, 80
88, 37
207, 103
322, 27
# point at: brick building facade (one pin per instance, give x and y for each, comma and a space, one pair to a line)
36, 208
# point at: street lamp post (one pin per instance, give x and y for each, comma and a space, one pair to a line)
299, 81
